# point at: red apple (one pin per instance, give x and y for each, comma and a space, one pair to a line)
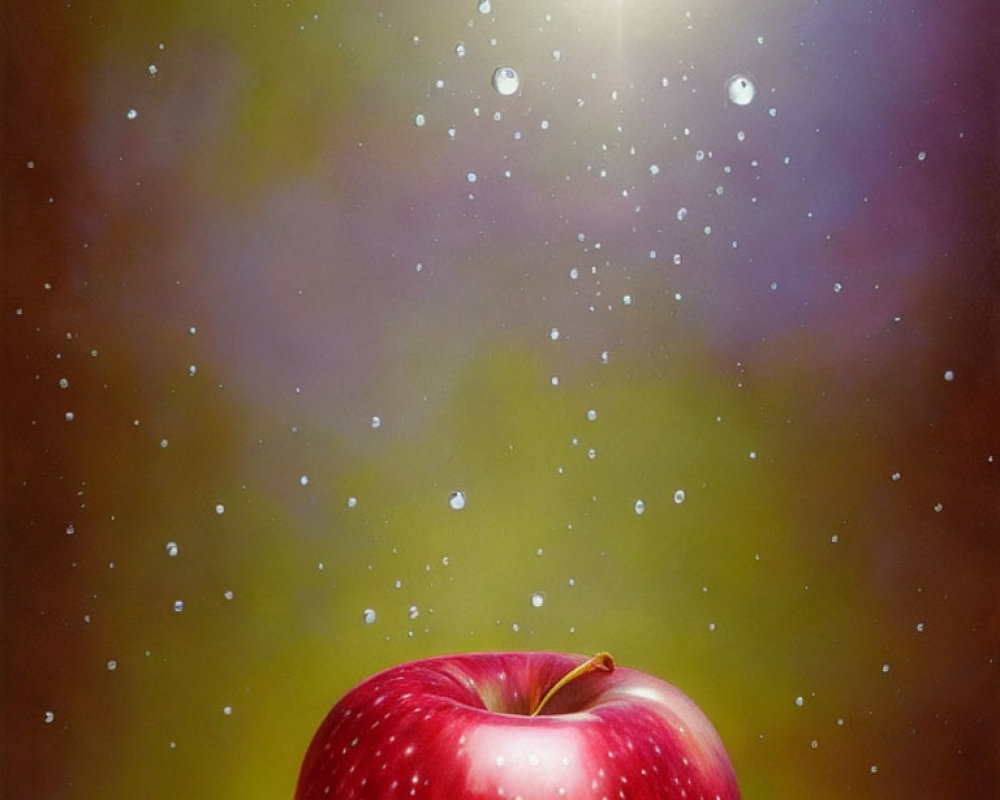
516, 725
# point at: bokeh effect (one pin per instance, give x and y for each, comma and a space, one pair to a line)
323, 353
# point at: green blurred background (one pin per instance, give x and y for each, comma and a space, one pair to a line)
284, 283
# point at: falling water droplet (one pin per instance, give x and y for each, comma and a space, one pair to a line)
506, 80
740, 89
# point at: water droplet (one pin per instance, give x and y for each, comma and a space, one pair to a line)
640, 507
654, 169
557, 55
376, 422
456, 500
178, 606
740, 89
70, 530
228, 594
679, 496
420, 120
554, 334
352, 502
485, 6
886, 668
368, 616
112, 665
537, 600
799, 701
920, 627
460, 50
471, 177
681, 213
592, 414
227, 710
921, 155
949, 375
220, 508
304, 480
172, 549
49, 716
131, 113
152, 70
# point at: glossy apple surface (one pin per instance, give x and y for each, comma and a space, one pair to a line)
460, 727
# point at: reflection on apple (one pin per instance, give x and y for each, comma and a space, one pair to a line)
516, 725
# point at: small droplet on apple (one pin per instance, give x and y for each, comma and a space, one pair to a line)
640, 507
537, 600
369, 616
456, 500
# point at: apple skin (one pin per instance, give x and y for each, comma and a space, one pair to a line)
458, 728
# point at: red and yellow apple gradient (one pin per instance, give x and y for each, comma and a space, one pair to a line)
296, 389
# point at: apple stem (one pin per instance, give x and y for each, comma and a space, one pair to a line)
601, 661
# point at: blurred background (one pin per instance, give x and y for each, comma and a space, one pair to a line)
328, 346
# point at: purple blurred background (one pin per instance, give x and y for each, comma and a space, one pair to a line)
712, 379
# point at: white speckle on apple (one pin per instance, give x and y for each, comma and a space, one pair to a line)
456, 500
369, 616
537, 600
